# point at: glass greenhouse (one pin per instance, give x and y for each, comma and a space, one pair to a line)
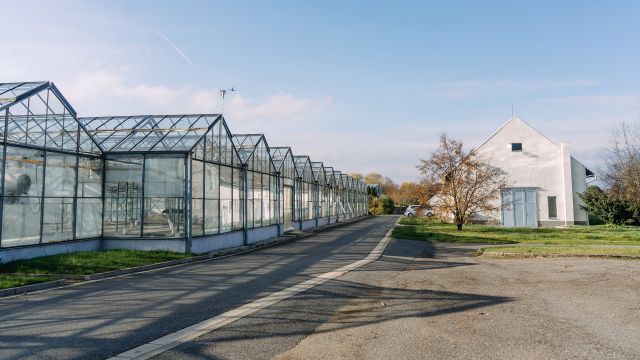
176, 182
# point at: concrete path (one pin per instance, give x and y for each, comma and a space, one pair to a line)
104, 318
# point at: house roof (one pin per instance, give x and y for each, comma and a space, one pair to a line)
589, 173
511, 120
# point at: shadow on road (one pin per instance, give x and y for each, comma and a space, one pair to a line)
337, 305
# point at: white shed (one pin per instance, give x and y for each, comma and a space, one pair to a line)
544, 179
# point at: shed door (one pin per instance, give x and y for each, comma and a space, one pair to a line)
520, 207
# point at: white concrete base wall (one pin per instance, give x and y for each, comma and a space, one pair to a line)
206, 244
199, 245
175, 245
323, 221
262, 233
28, 252
308, 224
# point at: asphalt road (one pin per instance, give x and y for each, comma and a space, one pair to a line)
425, 302
100, 319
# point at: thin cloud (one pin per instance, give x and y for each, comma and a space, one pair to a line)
483, 88
177, 49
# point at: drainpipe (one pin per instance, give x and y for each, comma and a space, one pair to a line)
567, 183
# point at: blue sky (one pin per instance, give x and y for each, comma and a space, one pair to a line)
361, 85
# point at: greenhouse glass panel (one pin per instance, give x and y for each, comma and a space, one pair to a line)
274, 194
59, 189
90, 175
57, 222
23, 183
123, 196
250, 199
89, 218
266, 205
226, 199
197, 198
211, 210
178, 133
238, 203
212, 196
164, 186
60, 178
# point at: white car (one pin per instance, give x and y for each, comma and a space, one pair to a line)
412, 210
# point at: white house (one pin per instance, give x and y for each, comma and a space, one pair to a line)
544, 179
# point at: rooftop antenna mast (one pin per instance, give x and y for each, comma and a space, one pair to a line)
223, 93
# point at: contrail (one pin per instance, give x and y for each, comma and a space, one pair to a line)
177, 49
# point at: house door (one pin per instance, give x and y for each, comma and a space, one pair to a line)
288, 208
519, 207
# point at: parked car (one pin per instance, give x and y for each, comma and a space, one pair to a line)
414, 210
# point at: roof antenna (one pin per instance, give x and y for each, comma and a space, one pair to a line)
223, 92
512, 111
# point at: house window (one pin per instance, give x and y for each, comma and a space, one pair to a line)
553, 207
516, 146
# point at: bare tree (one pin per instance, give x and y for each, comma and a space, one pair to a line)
622, 163
465, 184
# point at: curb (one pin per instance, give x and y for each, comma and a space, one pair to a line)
515, 255
66, 280
34, 287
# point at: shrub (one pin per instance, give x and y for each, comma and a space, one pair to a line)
610, 208
382, 205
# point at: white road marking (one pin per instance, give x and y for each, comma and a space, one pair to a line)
179, 337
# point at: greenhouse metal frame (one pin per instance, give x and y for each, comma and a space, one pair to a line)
174, 182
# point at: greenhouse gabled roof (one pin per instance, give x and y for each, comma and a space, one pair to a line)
303, 168
245, 144
254, 152
319, 172
328, 173
217, 146
338, 176
282, 158
11, 93
346, 179
149, 133
38, 115
279, 155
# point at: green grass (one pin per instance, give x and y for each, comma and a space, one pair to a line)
559, 250
9, 281
438, 231
87, 263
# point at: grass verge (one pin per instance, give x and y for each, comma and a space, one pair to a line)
601, 240
10, 280
549, 250
437, 231
87, 263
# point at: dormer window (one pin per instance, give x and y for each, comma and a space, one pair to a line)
516, 146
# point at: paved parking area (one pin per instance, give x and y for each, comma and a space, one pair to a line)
446, 304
